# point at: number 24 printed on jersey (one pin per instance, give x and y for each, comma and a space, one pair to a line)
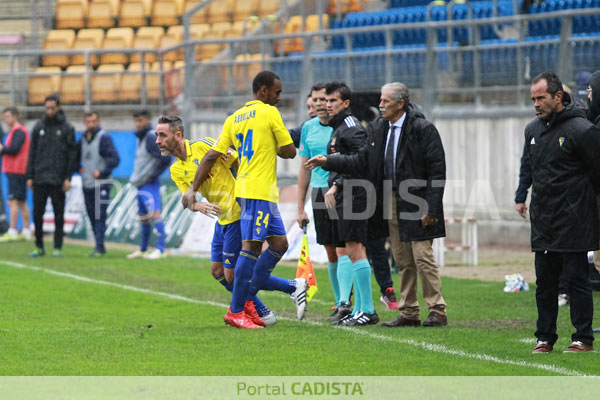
245, 147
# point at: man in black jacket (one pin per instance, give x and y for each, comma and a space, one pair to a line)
51, 161
593, 114
349, 138
414, 162
563, 149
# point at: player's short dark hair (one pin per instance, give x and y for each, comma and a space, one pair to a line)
317, 87
340, 87
141, 113
53, 98
175, 123
264, 78
552, 80
13, 110
91, 113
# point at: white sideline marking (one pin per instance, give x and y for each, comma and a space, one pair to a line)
437, 348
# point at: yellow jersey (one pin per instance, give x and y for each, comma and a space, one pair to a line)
255, 130
219, 187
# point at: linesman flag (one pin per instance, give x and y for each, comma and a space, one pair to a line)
305, 268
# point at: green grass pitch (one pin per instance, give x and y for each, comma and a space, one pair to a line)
112, 316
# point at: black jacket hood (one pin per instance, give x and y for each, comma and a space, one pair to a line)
593, 113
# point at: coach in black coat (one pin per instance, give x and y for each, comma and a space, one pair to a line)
563, 149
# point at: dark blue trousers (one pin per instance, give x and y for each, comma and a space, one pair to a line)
96, 204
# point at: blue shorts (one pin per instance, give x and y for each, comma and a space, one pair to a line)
226, 244
148, 197
17, 187
260, 219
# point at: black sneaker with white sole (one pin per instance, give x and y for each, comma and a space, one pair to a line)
362, 319
343, 320
343, 310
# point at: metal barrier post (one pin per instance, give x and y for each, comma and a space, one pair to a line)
88, 82
564, 51
144, 94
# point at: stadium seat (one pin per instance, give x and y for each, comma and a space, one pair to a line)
154, 78
174, 80
244, 73
165, 13
147, 37
200, 16
170, 41
106, 83
294, 25
100, 15
71, 14
244, 9
117, 38
268, 7
217, 31
87, 39
148, 5
58, 39
132, 14
131, 83
46, 81
115, 5
72, 85
219, 11
198, 31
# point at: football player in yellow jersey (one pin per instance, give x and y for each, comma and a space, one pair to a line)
218, 191
259, 135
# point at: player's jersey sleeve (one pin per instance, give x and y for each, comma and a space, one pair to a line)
225, 140
230, 157
282, 135
177, 177
304, 151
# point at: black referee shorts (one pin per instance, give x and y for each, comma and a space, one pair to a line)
325, 226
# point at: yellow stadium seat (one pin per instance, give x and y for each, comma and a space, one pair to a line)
244, 73
131, 83
58, 39
70, 14
66, 34
61, 60
46, 81
198, 31
87, 39
72, 85
209, 50
312, 22
201, 16
220, 11
106, 83
154, 78
115, 5
345, 6
148, 5
117, 38
174, 80
165, 13
147, 37
83, 3
101, 15
169, 41
294, 25
245, 9
132, 13
268, 7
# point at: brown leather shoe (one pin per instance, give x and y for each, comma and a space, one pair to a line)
542, 347
578, 347
402, 321
435, 319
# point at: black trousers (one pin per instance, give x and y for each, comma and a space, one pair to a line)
379, 258
40, 197
548, 269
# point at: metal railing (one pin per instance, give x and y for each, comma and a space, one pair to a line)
223, 82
